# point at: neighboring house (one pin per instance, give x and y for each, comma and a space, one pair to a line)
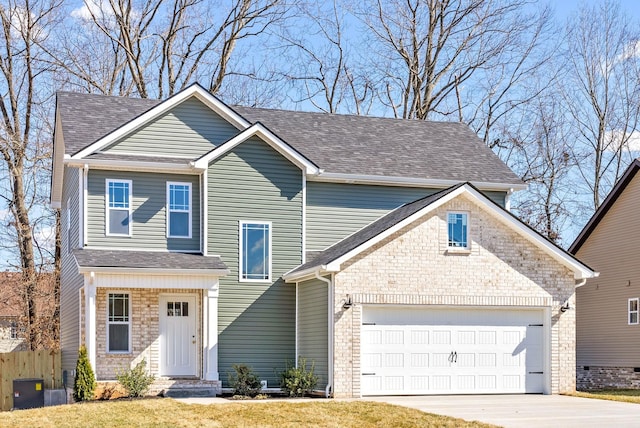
11, 338
198, 236
608, 324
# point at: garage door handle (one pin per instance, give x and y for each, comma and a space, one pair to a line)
368, 374
536, 372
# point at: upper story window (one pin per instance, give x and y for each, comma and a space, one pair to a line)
118, 215
118, 322
458, 230
255, 251
178, 210
633, 311
13, 334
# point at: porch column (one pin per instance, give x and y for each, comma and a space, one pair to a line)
211, 333
90, 320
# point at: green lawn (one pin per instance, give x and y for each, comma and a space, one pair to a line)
626, 395
170, 413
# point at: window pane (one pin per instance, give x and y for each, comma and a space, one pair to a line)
255, 257
119, 222
185, 309
457, 229
118, 337
119, 307
118, 194
179, 197
178, 224
633, 305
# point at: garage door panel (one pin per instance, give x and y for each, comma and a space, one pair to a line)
500, 357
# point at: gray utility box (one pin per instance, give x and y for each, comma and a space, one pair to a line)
28, 393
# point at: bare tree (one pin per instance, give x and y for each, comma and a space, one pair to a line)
25, 141
154, 48
602, 94
320, 62
425, 50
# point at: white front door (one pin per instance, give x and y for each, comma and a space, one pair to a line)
452, 351
178, 341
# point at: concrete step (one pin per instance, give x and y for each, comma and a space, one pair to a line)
189, 392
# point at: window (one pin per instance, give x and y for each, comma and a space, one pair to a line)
457, 227
633, 311
14, 330
179, 210
118, 207
255, 251
177, 309
118, 322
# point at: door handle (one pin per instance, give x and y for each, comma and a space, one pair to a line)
455, 356
450, 357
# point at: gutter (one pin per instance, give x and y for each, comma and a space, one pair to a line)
330, 292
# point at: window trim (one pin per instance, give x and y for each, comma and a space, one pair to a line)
636, 311
454, 248
169, 210
108, 209
241, 266
129, 316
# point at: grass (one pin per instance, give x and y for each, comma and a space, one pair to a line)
170, 413
625, 395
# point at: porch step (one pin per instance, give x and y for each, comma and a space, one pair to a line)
189, 392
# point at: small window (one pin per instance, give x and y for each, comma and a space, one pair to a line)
118, 322
179, 210
457, 228
118, 207
177, 309
255, 251
633, 311
14, 330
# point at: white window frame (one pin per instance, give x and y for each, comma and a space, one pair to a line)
108, 209
635, 312
468, 243
169, 210
128, 323
241, 266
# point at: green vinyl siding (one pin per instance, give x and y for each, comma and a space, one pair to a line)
336, 210
70, 280
313, 334
189, 130
256, 319
149, 228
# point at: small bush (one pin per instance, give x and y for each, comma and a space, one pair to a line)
136, 381
245, 382
298, 381
84, 382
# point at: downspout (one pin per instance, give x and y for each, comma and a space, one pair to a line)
330, 293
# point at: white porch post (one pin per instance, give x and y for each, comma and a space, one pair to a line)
211, 332
90, 320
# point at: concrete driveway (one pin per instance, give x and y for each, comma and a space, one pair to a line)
525, 410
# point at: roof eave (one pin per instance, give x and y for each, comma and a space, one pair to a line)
150, 271
332, 177
131, 165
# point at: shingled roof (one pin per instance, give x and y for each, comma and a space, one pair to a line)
90, 258
340, 144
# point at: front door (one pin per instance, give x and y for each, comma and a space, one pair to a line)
178, 341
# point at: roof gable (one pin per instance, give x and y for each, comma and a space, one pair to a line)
260, 131
606, 205
159, 109
331, 259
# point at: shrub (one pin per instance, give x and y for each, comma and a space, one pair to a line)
245, 382
298, 381
84, 382
136, 381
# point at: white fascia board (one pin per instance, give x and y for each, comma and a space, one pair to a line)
580, 271
132, 165
194, 90
268, 137
303, 275
150, 271
332, 177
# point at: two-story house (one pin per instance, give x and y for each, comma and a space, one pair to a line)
198, 235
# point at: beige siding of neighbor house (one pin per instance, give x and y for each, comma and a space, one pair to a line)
7, 344
502, 269
604, 336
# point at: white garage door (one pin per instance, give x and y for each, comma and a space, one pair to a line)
451, 351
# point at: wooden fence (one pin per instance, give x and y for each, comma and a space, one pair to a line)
45, 365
